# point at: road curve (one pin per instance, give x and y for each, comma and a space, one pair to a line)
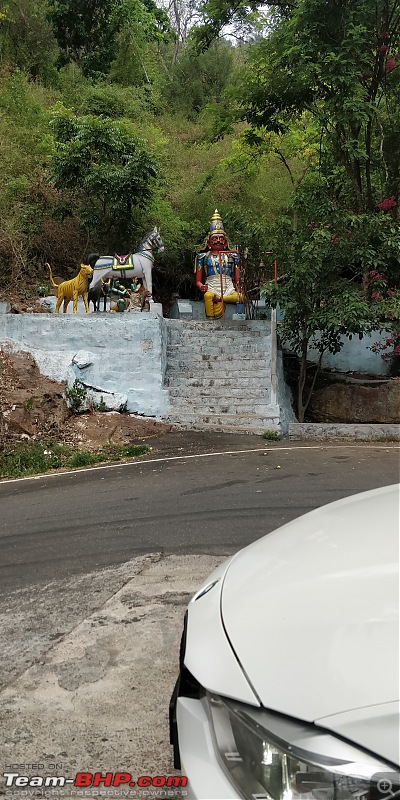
70, 524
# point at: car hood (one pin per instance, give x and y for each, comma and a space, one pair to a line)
311, 610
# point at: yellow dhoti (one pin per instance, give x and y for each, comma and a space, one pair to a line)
214, 310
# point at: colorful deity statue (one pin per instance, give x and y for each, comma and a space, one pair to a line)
217, 270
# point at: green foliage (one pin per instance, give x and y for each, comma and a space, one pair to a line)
30, 459
28, 404
242, 16
199, 78
82, 458
33, 458
321, 301
25, 146
357, 47
133, 450
106, 167
384, 295
25, 140
104, 101
106, 98
87, 30
76, 396
26, 38
272, 436
44, 290
297, 126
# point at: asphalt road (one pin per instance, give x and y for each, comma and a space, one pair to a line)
96, 569
68, 525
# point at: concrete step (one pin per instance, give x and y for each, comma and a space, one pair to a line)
224, 331
220, 393
226, 409
216, 348
182, 336
234, 373
261, 347
245, 358
225, 340
226, 423
186, 383
217, 378
254, 326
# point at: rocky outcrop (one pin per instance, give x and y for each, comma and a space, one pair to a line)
355, 402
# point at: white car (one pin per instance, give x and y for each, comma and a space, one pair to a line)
289, 681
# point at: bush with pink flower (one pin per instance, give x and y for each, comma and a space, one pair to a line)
385, 302
387, 203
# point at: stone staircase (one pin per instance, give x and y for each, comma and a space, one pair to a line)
219, 376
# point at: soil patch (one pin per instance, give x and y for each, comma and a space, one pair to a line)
33, 407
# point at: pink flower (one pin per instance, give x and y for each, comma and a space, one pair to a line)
390, 64
375, 296
397, 350
387, 203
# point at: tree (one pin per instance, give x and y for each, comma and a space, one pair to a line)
198, 79
105, 173
182, 14
321, 305
86, 30
338, 61
26, 37
242, 18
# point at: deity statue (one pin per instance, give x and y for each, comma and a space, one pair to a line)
217, 270
135, 301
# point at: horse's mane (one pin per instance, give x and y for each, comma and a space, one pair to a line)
145, 238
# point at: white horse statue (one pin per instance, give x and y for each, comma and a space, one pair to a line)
133, 265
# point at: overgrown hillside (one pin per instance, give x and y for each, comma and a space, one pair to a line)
99, 144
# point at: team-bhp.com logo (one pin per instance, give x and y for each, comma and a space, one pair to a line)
95, 779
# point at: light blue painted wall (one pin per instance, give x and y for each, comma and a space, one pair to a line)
355, 356
122, 357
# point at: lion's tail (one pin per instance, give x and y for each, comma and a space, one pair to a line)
51, 276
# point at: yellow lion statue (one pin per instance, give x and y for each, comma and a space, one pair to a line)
70, 290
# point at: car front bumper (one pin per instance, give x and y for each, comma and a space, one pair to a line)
197, 753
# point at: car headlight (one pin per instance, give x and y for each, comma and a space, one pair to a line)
269, 756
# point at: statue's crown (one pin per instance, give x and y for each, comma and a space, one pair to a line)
216, 224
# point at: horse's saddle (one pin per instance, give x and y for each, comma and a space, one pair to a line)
122, 262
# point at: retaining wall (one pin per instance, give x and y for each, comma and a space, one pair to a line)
120, 357
355, 356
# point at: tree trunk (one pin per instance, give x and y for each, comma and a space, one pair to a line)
368, 139
302, 379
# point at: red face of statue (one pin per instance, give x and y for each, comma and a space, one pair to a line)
217, 242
